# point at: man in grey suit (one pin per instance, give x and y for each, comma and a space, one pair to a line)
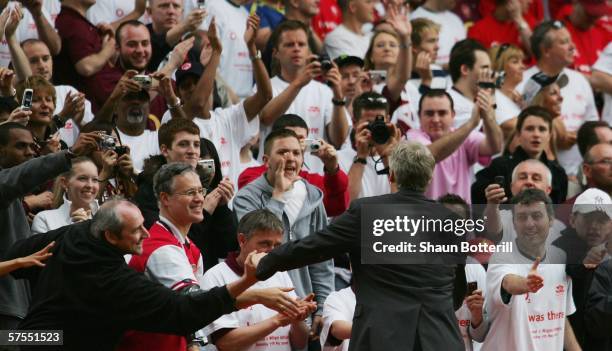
399, 307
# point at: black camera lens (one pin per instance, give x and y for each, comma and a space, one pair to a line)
379, 130
326, 63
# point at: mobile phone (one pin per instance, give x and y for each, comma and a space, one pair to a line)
500, 180
378, 76
471, 287
121, 150
201, 4
207, 163
26, 101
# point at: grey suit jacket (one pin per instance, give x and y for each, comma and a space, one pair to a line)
399, 307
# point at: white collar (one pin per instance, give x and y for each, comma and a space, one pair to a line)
174, 230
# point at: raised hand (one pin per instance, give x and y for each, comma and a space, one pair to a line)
309, 72
423, 67
327, 153
334, 79
363, 140
86, 144
534, 281
594, 257
252, 27
194, 20
475, 303
20, 116
213, 38
398, 19
37, 258
126, 85
495, 194
13, 21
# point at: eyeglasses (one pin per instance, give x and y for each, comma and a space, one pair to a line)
192, 192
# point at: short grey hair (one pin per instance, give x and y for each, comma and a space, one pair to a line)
262, 219
412, 165
532, 162
108, 218
163, 181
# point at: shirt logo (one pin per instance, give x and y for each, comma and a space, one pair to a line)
119, 13
560, 290
186, 66
223, 141
233, 35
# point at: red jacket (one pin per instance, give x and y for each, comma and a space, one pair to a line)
334, 187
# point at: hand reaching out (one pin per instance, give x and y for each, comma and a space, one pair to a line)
534, 281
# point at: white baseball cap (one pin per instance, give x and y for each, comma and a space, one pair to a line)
539, 81
592, 200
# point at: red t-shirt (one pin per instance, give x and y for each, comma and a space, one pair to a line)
80, 39
534, 15
489, 32
589, 43
328, 18
334, 187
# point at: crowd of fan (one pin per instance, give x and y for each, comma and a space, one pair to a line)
236, 125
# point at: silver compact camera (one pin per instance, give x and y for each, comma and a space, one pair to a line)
107, 141
312, 145
144, 80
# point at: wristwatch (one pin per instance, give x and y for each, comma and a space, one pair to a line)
338, 102
361, 160
178, 104
257, 56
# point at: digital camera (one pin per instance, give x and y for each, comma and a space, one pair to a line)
312, 145
379, 130
144, 80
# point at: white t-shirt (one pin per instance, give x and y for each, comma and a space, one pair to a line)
313, 103
463, 108
339, 306
294, 200
452, 30
533, 321
342, 41
141, 147
604, 64
506, 108
236, 67
229, 130
278, 340
372, 184
70, 132
27, 28
473, 273
578, 107
509, 234
109, 11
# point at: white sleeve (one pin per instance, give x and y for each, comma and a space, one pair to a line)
570, 308
334, 309
495, 276
39, 224
235, 125
169, 266
591, 113
604, 62
213, 278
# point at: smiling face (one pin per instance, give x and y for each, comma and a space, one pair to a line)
289, 150
534, 136
184, 205
133, 232
185, 148
40, 59
134, 47
531, 223
436, 116
82, 185
132, 113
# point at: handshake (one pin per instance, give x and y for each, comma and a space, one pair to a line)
289, 308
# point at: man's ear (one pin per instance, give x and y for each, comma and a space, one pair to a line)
464, 69
163, 149
110, 237
265, 158
242, 239
164, 198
